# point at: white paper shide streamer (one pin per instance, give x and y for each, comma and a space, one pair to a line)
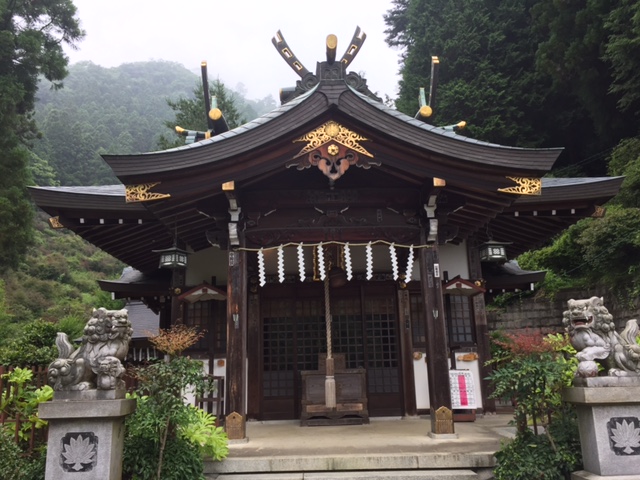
369, 251
394, 260
321, 261
301, 262
407, 275
261, 273
280, 264
347, 262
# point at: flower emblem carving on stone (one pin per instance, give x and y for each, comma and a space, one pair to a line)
624, 435
79, 452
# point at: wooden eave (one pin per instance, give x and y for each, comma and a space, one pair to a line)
100, 215
532, 221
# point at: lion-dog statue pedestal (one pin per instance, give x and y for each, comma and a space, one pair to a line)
606, 391
86, 416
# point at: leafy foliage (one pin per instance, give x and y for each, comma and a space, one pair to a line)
18, 460
173, 435
15, 464
23, 401
531, 371
602, 251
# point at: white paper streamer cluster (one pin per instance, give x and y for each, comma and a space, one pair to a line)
347, 263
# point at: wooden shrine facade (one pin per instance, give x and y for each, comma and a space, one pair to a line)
267, 210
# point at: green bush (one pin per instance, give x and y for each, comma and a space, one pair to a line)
166, 439
531, 371
15, 464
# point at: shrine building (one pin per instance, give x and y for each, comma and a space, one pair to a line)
335, 251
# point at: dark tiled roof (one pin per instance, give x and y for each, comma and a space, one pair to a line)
144, 321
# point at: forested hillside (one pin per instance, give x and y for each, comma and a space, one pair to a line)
112, 110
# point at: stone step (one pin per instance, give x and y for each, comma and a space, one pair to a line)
369, 475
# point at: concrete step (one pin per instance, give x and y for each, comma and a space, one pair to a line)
369, 475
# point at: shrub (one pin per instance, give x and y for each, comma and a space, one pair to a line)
531, 370
165, 438
15, 464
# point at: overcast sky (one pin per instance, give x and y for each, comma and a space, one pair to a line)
234, 37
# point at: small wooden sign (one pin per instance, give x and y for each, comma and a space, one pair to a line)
444, 421
235, 426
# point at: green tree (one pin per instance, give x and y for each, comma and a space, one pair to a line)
575, 54
486, 76
190, 113
623, 52
32, 35
526, 72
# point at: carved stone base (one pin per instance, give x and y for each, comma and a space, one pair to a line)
609, 422
85, 438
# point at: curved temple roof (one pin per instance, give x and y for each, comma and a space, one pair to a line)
408, 156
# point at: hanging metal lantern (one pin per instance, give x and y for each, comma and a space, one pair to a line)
173, 257
492, 251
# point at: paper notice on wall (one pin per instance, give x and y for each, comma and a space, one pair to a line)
462, 390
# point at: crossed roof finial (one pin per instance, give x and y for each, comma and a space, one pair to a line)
296, 65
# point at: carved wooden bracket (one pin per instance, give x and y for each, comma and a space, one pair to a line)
333, 149
234, 211
54, 222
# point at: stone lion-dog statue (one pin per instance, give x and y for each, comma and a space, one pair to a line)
600, 349
97, 363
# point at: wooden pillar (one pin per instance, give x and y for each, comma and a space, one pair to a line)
482, 330
236, 343
254, 354
406, 349
178, 278
436, 332
165, 313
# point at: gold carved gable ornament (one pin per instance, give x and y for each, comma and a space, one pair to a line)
333, 149
143, 193
525, 186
